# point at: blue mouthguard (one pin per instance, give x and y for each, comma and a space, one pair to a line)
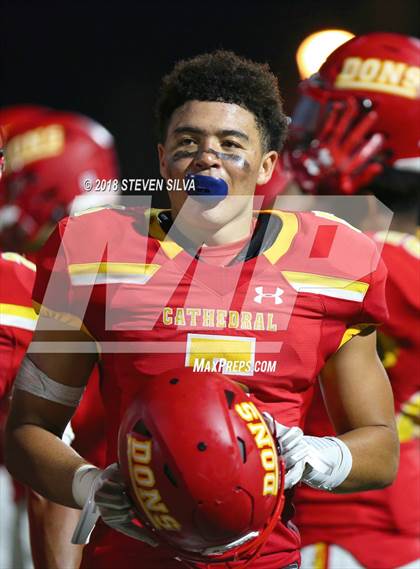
207, 186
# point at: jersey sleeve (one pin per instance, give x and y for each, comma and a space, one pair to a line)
7, 347
52, 289
13, 345
55, 294
17, 318
374, 306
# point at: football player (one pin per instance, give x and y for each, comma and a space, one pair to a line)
17, 322
49, 155
356, 130
268, 297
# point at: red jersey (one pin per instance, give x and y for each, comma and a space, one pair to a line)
380, 528
297, 290
17, 317
17, 322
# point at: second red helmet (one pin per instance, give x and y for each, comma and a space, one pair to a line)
359, 114
52, 159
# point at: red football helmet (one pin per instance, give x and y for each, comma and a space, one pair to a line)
359, 114
9, 116
49, 157
201, 467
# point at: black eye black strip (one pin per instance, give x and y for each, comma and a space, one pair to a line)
239, 160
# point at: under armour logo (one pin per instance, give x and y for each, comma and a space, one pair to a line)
261, 294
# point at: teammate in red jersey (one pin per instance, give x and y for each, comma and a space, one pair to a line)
49, 155
17, 322
369, 144
202, 285
17, 317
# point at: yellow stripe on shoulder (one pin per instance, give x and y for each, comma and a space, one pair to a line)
18, 310
354, 331
113, 268
83, 274
69, 320
65, 317
18, 316
333, 287
16, 258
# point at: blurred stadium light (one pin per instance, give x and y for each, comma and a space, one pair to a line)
315, 49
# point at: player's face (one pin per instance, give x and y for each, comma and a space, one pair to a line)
220, 140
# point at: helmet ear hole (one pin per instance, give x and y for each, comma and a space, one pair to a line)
170, 475
230, 396
242, 448
141, 429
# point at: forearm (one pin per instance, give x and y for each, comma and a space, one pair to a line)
375, 451
42, 461
359, 400
51, 527
363, 458
46, 394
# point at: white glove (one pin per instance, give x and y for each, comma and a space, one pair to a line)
320, 462
103, 493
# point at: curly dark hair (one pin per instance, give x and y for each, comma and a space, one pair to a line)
225, 77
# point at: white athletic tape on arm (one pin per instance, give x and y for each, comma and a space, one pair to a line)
83, 481
31, 379
332, 451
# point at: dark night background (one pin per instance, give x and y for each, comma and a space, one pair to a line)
105, 59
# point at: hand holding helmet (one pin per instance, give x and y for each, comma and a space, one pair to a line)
320, 462
103, 493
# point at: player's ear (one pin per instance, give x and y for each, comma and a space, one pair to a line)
162, 161
268, 162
